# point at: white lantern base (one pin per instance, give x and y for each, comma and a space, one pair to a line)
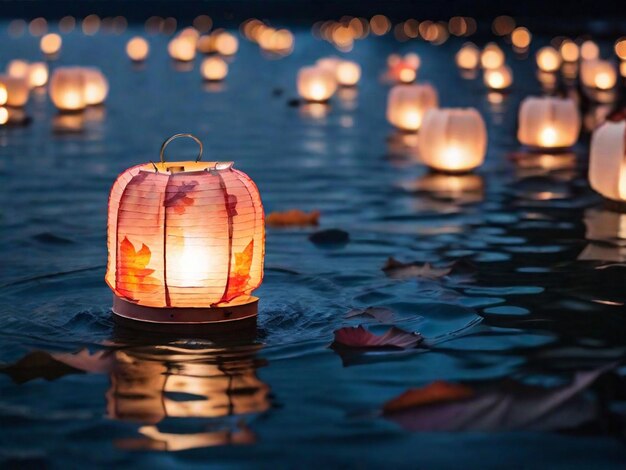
155, 318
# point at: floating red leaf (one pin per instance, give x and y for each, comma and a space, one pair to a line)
359, 337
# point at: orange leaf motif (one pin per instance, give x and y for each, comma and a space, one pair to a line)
132, 272
240, 274
180, 200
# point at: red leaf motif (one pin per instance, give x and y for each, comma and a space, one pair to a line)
359, 337
180, 200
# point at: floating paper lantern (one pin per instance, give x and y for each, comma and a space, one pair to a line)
67, 89
607, 174
17, 91
182, 48
548, 123
492, 56
137, 49
468, 57
226, 43
37, 74
500, 78
348, 73
407, 105
453, 140
18, 68
214, 68
589, 50
328, 63
548, 59
570, 52
598, 74
316, 83
186, 242
413, 60
96, 85
50, 44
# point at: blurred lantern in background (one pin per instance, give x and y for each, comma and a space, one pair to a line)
182, 48
500, 78
453, 140
570, 52
50, 44
316, 83
492, 56
186, 242
407, 105
18, 68
226, 43
548, 123
548, 59
214, 68
468, 57
137, 49
598, 74
96, 86
67, 89
3, 94
589, 50
37, 74
607, 174
521, 38
348, 73
17, 90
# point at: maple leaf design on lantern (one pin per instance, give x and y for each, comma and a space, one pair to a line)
180, 200
132, 272
240, 274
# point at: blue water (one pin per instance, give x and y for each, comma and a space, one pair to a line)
533, 301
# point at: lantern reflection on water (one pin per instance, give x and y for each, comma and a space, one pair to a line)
453, 140
548, 123
316, 84
186, 242
606, 232
607, 175
407, 105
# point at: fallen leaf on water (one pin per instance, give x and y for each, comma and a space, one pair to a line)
436, 392
293, 218
380, 314
397, 270
359, 337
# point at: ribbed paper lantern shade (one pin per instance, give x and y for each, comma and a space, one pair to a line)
407, 104
316, 83
67, 89
186, 242
607, 174
96, 86
548, 123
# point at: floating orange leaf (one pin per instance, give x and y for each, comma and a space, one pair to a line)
435, 392
240, 274
293, 218
132, 270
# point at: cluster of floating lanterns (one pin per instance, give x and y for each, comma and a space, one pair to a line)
275, 42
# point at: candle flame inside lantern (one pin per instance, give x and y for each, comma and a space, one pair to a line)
452, 157
548, 137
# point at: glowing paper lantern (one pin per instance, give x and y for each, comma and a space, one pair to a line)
214, 68
186, 242
492, 56
3, 94
18, 68
468, 57
328, 63
37, 74
67, 89
316, 83
17, 91
570, 52
182, 48
96, 85
598, 74
50, 44
407, 105
453, 140
137, 49
548, 59
548, 123
607, 174
226, 43
348, 73
498, 79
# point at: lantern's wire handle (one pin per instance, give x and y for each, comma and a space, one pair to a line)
176, 136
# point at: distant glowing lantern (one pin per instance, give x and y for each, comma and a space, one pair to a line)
50, 44
589, 50
570, 52
348, 73
3, 94
328, 63
17, 90
468, 57
405, 73
214, 68
548, 59
413, 60
492, 56
521, 38
96, 85
182, 48
407, 105
607, 172
226, 43
316, 83
67, 89
37, 74
137, 49
598, 74
548, 123
18, 68
186, 242
453, 140
500, 78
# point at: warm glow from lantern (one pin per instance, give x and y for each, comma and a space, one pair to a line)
412, 60
604, 81
498, 79
96, 86
406, 75
3, 94
214, 68
226, 43
316, 83
137, 49
50, 44
37, 74
18, 68
453, 140
548, 59
548, 123
622, 68
620, 48
67, 89
348, 73
570, 52
182, 48
4, 116
17, 90
607, 174
407, 105
599, 74
521, 37
589, 50
492, 57
468, 57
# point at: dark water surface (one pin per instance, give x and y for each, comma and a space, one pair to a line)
537, 286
